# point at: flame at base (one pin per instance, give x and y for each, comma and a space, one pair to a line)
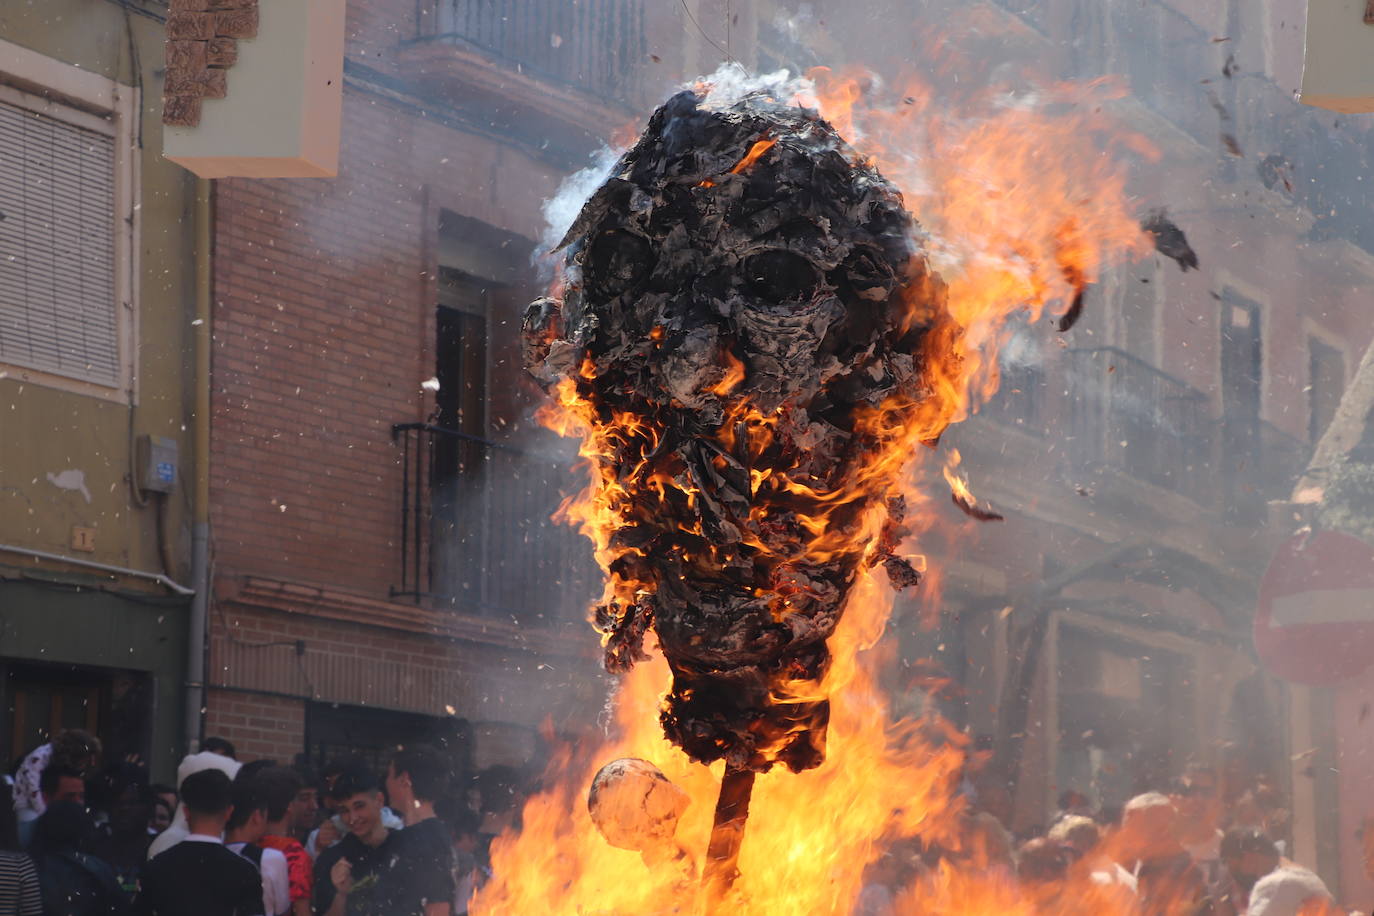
810, 836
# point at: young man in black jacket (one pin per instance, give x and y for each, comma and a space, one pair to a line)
419, 878
347, 873
199, 876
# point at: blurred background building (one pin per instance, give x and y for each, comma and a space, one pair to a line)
381, 565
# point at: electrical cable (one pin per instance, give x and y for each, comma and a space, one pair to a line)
297, 644
140, 498
709, 39
129, 7
135, 70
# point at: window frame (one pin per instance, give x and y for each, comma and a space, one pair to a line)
87, 100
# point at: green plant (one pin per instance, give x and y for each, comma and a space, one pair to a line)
1348, 502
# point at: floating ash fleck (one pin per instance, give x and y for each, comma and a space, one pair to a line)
560, 210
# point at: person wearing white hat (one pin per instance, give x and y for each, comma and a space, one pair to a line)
192, 763
1287, 891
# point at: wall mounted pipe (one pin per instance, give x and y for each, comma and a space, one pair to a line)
159, 578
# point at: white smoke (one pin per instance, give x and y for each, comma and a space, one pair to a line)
730, 83
562, 208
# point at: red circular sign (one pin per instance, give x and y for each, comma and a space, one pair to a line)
1315, 623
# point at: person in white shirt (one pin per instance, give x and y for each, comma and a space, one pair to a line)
1197, 798
1083, 838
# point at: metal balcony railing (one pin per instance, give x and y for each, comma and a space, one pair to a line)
1020, 398
593, 45
1125, 412
477, 532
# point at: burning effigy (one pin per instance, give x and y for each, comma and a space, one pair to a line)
749, 293
750, 296
753, 338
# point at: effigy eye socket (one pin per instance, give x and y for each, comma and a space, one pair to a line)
617, 262
780, 276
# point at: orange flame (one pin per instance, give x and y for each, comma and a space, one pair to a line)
1021, 209
734, 374
957, 485
754, 155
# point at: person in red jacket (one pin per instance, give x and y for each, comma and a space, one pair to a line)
279, 787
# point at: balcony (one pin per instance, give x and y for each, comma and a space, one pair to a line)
476, 529
572, 64
1126, 414
592, 45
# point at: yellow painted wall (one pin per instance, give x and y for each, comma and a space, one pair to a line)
45, 431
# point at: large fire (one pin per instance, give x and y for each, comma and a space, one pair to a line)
1024, 203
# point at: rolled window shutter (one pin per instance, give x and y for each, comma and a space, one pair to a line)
58, 309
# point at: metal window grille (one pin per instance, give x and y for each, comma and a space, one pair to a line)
58, 309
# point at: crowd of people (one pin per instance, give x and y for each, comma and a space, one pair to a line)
1184, 851
86, 838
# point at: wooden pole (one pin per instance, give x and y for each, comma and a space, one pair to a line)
727, 832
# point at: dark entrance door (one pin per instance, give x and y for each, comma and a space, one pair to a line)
42, 700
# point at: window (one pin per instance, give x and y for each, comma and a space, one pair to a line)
459, 488
1241, 358
1326, 382
335, 730
1140, 311
461, 353
1242, 382
66, 192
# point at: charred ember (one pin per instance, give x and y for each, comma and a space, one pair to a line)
1169, 239
743, 317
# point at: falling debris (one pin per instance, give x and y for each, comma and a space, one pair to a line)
962, 496
1275, 170
974, 511
1169, 239
1070, 318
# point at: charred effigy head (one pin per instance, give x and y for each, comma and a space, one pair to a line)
743, 310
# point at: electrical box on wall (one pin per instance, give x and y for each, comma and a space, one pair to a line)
1338, 62
157, 464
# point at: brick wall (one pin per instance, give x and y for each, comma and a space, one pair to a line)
258, 726
324, 295
324, 298
302, 655
323, 329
